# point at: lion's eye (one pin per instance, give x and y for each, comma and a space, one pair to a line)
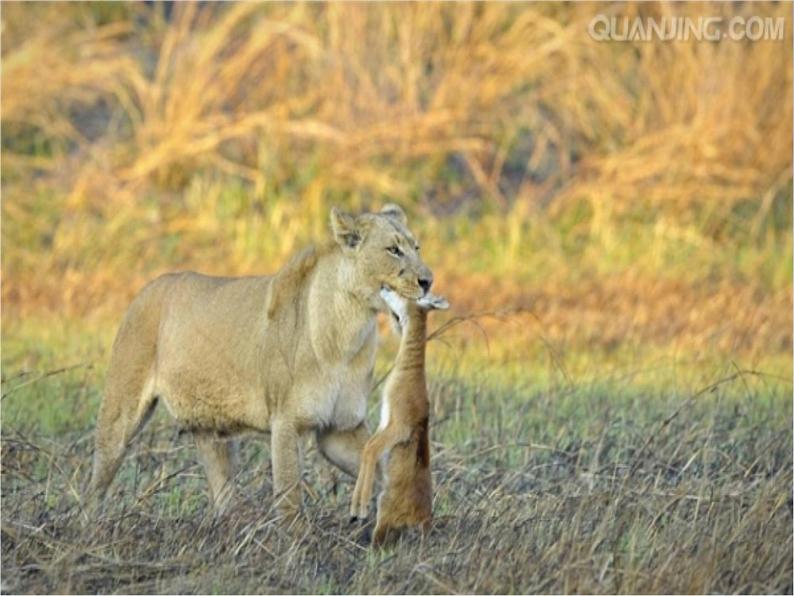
395, 250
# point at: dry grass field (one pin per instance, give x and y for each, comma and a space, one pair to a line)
611, 221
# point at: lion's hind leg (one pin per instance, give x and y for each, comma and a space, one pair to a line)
121, 417
127, 404
129, 397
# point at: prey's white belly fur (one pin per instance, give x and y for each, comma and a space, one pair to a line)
384, 413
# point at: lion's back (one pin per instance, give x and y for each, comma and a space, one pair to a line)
210, 321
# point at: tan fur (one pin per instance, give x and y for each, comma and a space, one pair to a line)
284, 354
403, 437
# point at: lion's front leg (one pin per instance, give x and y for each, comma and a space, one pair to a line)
343, 447
285, 454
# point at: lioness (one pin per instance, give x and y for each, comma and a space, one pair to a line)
284, 354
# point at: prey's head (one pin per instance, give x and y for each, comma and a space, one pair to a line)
401, 309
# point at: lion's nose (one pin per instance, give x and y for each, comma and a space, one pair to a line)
425, 283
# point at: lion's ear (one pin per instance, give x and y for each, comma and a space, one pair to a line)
346, 229
395, 212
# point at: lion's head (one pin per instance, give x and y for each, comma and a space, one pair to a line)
383, 252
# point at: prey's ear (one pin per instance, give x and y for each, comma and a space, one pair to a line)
347, 231
433, 302
394, 211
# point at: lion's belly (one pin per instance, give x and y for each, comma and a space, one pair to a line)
212, 402
338, 399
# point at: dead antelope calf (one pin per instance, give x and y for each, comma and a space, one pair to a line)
407, 496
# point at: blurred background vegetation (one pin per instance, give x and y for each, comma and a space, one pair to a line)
611, 222
616, 208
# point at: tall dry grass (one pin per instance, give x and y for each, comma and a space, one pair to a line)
307, 102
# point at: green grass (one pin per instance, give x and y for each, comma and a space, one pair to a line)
53, 370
